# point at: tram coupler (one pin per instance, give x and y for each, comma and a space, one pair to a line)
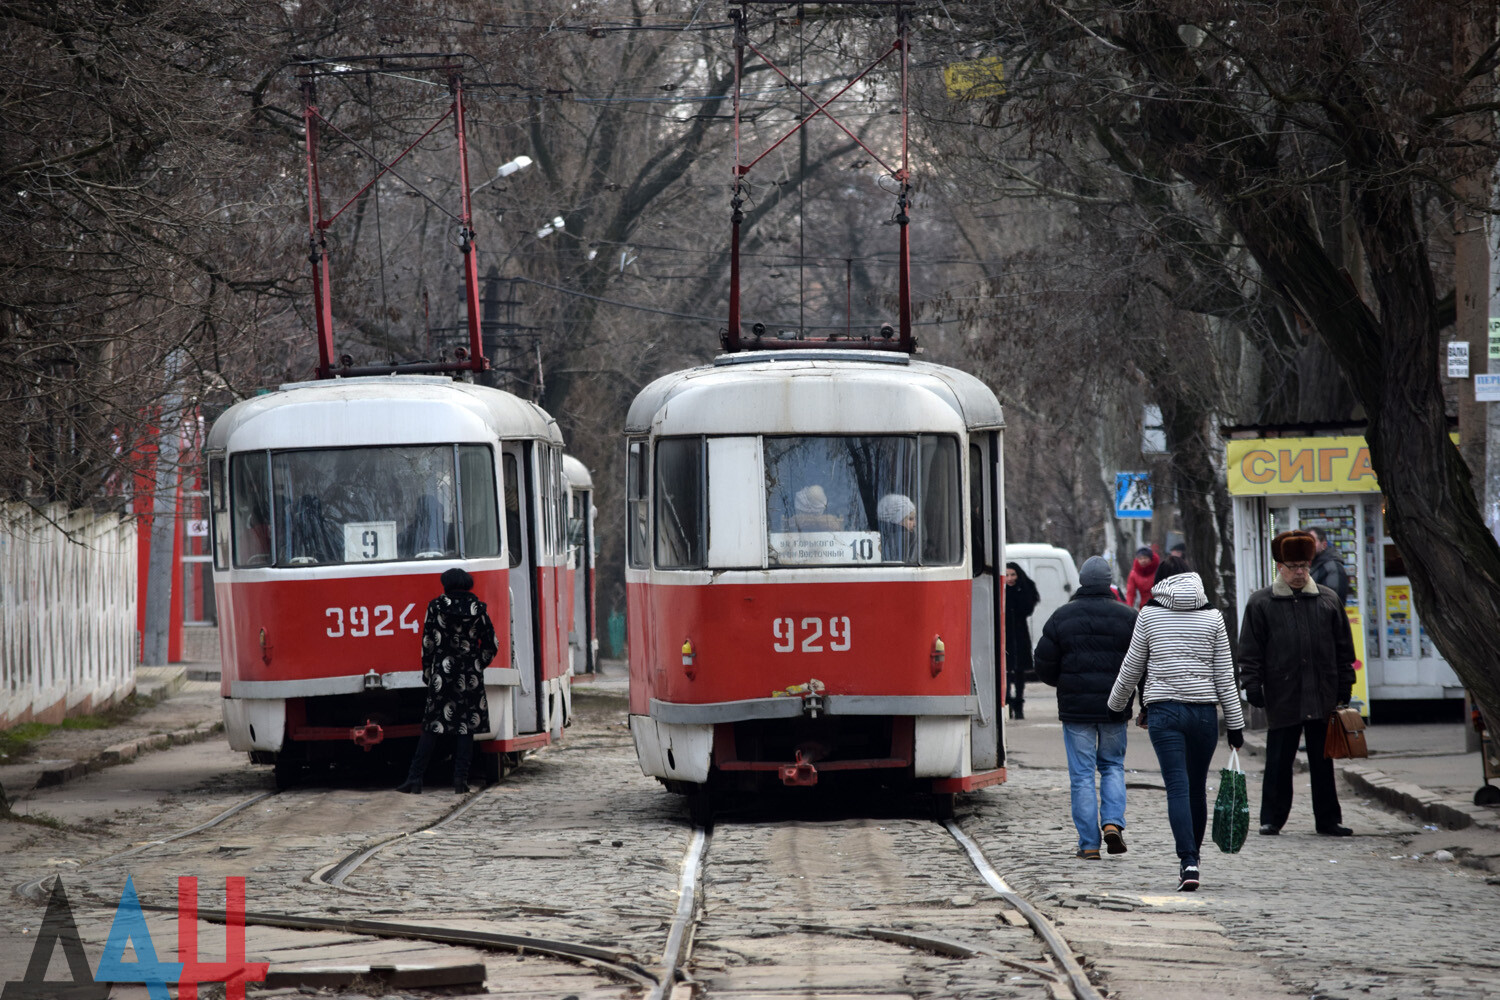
367, 736
801, 774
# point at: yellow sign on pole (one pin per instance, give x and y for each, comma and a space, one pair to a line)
967, 81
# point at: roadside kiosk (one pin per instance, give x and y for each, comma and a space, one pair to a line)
1320, 476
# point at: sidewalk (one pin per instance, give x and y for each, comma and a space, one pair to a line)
177, 711
1417, 768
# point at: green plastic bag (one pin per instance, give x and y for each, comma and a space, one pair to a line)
1231, 808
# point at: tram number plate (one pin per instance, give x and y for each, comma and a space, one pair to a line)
359, 621
810, 634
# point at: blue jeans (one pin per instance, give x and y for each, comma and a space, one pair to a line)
1096, 746
1184, 737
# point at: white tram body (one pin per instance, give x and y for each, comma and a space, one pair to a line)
583, 639
335, 507
813, 571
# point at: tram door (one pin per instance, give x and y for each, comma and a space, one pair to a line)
984, 659
581, 540
521, 540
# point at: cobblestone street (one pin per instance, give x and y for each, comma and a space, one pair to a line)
862, 899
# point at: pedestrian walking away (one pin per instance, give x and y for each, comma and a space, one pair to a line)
1181, 646
1079, 653
1297, 662
1021, 598
458, 642
1142, 577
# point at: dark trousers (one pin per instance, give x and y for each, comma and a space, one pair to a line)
1015, 680
463, 753
1276, 787
1184, 737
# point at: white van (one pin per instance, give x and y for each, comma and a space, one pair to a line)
1055, 575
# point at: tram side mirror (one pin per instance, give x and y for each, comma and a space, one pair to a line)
887, 331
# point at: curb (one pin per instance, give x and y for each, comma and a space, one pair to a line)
122, 753
1415, 800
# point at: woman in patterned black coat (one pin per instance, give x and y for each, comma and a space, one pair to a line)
458, 642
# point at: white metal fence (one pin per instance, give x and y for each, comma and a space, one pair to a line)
67, 611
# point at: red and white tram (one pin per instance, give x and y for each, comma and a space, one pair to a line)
813, 572
336, 505
583, 640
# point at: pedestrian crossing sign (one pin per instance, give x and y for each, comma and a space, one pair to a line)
1133, 495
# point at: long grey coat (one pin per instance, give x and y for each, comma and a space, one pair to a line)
458, 642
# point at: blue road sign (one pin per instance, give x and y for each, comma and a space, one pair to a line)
1133, 495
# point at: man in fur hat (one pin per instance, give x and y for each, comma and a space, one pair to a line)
1297, 662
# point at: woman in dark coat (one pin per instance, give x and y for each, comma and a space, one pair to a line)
458, 642
1021, 599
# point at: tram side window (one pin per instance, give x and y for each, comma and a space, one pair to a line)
512, 510
219, 512
942, 502
251, 508
977, 481
637, 518
476, 476
679, 503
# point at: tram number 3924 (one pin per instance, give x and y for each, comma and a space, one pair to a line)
360, 619
810, 631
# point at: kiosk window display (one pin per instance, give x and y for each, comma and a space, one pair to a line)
1279, 483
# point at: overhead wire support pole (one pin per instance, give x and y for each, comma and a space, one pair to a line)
903, 216
737, 202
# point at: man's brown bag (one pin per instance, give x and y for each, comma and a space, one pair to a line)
1346, 735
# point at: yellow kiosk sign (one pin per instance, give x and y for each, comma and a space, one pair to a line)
1278, 466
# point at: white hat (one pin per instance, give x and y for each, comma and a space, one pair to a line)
895, 508
811, 500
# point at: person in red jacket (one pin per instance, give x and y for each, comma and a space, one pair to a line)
1142, 577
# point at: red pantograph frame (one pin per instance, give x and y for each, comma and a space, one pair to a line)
732, 339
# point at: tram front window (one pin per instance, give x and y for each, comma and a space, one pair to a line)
849, 500
379, 504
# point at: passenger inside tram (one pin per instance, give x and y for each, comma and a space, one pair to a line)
810, 507
897, 517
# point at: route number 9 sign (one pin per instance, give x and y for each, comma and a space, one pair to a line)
369, 541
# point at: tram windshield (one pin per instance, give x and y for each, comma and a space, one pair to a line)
346, 505
863, 500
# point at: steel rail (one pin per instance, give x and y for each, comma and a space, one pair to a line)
1077, 979
30, 891
687, 899
334, 875
616, 963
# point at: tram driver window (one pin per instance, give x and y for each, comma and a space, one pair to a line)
942, 504
476, 477
841, 500
679, 503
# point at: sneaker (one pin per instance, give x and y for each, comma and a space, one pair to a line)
1114, 839
1187, 879
1088, 853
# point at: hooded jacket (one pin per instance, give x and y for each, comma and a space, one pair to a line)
1138, 583
1081, 649
1181, 645
1296, 649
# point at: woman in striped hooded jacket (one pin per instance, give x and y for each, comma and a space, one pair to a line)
1181, 645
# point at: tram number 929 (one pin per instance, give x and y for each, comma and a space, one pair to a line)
360, 619
809, 634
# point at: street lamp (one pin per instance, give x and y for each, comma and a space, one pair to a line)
505, 170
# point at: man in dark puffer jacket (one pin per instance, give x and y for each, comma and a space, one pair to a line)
1079, 654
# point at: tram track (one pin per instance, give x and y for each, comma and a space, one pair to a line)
1067, 978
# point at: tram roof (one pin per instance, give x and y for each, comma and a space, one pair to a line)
847, 391
379, 409
577, 473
